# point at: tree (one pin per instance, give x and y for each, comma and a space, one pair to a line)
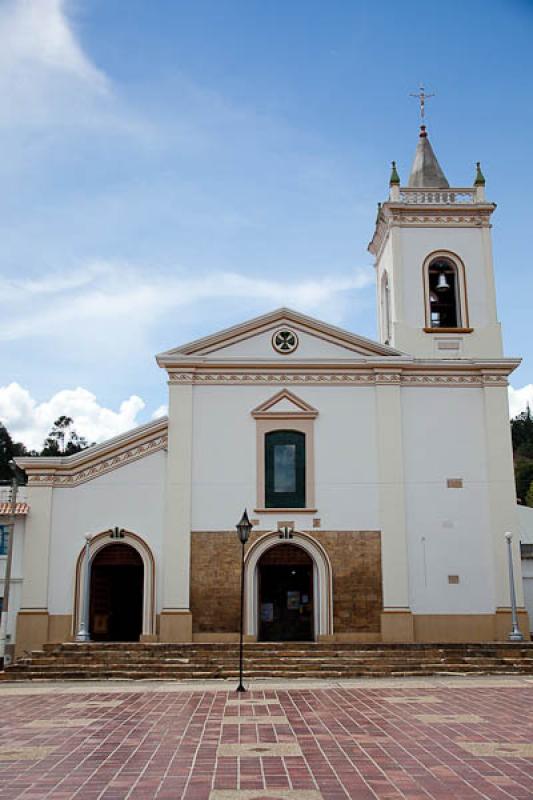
522, 436
529, 496
523, 473
63, 439
8, 450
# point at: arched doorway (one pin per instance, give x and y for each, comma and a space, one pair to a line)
285, 584
322, 592
116, 607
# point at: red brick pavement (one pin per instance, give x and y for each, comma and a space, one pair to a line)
360, 741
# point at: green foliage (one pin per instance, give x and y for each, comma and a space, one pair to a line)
63, 439
8, 450
523, 472
529, 496
522, 435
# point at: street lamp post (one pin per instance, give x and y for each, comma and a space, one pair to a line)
515, 635
83, 634
243, 529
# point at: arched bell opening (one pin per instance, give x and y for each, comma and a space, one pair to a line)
445, 292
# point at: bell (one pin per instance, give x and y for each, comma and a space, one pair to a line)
442, 283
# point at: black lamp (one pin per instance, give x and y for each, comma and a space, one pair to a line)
243, 529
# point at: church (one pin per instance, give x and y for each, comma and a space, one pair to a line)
378, 475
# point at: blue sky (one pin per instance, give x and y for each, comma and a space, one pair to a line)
171, 168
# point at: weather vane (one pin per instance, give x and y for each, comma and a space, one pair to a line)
422, 97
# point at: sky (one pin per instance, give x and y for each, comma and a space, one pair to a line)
171, 168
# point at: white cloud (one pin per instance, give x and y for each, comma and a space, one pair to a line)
38, 33
519, 399
29, 421
44, 72
162, 411
134, 298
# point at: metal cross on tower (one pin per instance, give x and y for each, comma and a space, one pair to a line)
422, 97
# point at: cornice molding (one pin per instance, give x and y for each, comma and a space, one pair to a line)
268, 323
94, 462
393, 214
406, 374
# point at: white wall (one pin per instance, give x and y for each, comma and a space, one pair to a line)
448, 529
525, 519
224, 456
130, 497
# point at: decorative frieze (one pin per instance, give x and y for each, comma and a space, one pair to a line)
344, 377
429, 209
470, 220
73, 476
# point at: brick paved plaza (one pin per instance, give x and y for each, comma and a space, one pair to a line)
437, 738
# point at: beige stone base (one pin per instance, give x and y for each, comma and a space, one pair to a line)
60, 628
35, 628
468, 627
175, 626
397, 626
32, 631
503, 624
148, 637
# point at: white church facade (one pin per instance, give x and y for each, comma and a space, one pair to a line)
378, 475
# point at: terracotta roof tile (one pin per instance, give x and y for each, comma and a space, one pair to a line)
21, 508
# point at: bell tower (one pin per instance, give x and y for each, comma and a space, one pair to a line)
434, 269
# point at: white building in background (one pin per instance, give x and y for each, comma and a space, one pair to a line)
378, 475
525, 521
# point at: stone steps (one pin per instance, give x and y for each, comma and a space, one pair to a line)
277, 664
161, 661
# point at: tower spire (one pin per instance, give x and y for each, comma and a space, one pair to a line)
426, 172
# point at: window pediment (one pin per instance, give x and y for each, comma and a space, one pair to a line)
284, 405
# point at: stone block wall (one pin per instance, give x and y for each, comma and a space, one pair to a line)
357, 588
355, 558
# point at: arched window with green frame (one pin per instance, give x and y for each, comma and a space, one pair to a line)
285, 469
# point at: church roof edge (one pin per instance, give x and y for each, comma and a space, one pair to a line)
140, 432
215, 341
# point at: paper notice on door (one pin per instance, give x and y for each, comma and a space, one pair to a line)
293, 601
267, 612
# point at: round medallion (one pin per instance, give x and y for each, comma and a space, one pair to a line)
284, 341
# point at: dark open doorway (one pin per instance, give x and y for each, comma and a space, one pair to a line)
285, 574
117, 574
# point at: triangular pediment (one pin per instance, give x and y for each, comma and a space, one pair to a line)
254, 339
284, 404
